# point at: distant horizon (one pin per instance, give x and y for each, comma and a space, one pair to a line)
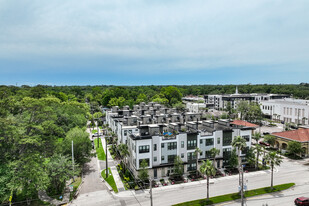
114, 85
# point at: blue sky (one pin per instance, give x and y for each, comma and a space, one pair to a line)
135, 42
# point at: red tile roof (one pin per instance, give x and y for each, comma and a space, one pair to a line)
300, 135
244, 123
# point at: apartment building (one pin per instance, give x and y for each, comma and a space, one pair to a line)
159, 137
287, 110
220, 101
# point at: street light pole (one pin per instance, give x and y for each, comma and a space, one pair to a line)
151, 203
242, 186
73, 160
106, 156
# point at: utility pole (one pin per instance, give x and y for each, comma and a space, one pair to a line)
73, 160
150, 192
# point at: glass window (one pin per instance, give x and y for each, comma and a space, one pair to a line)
209, 142
162, 158
162, 145
155, 147
125, 132
182, 144
182, 155
143, 149
170, 158
201, 141
218, 140
154, 159
171, 145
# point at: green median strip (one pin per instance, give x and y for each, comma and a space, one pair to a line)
110, 179
235, 196
99, 150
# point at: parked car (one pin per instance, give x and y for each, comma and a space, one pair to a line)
302, 201
264, 143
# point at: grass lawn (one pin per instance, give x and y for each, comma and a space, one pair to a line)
94, 131
235, 196
100, 151
110, 179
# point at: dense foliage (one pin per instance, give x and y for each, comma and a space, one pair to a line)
119, 95
36, 133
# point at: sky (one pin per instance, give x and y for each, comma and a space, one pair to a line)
144, 42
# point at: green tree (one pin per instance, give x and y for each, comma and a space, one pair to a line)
294, 148
258, 149
274, 159
143, 172
208, 169
233, 159
124, 152
239, 143
256, 136
178, 166
59, 170
270, 140
214, 152
172, 94
141, 98
81, 144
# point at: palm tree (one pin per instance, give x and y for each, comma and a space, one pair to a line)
257, 136
240, 144
208, 169
274, 160
258, 149
123, 152
214, 152
197, 152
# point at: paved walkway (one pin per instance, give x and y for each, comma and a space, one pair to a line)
113, 168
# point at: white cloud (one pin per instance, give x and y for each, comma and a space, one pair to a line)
197, 34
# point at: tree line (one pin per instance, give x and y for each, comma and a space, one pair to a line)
36, 134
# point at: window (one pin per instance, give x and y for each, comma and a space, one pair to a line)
182, 144
171, 158
191, 144
246, 137
155, 147
227, 138
171, 145
143, 149
201, 153
218, 140
182, 155
162, 158
130, 131
209, 142
162, 145
154, 159
201, 141
140, 162
125, 132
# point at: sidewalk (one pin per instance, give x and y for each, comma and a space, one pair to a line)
113, 168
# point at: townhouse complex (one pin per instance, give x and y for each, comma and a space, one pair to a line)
158, 134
